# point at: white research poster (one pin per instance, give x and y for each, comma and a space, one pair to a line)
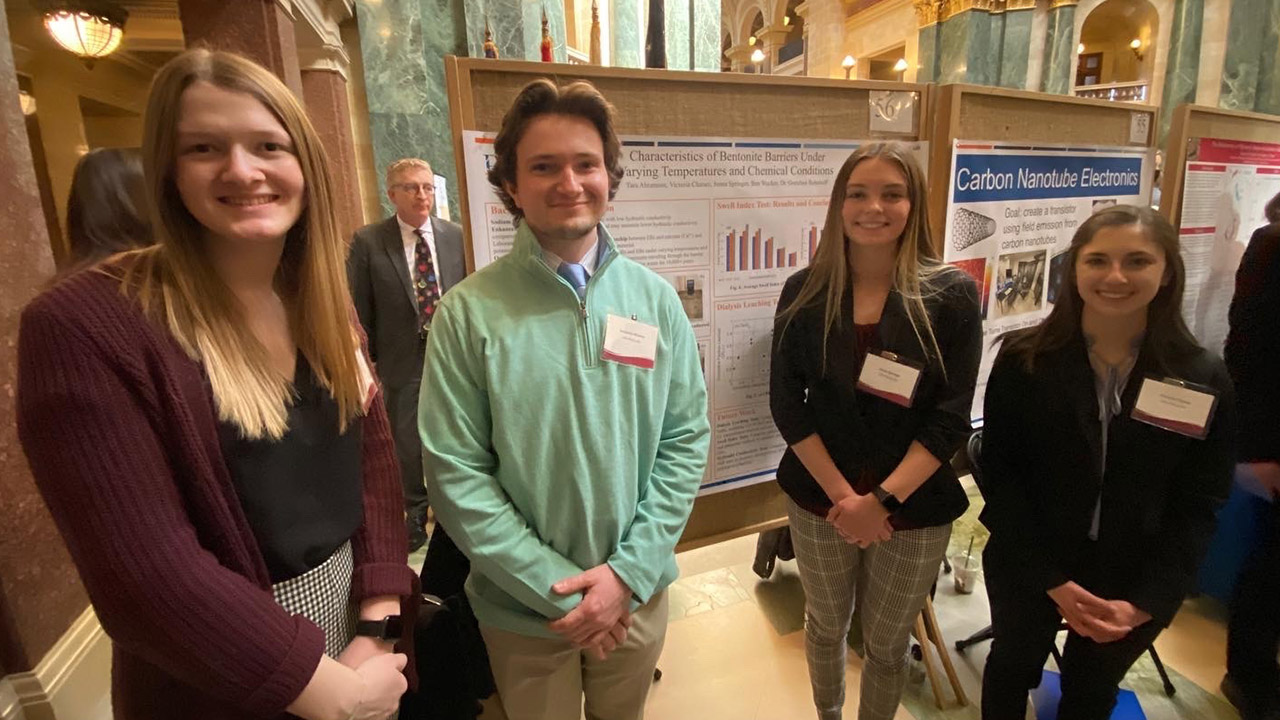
725, 221
1227, 185
1011, 212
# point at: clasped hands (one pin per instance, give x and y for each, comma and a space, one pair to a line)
600, 622
1100, 620
861, 520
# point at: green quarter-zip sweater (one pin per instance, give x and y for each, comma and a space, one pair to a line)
543, 459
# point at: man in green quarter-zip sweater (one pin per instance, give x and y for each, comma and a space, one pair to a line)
564, 424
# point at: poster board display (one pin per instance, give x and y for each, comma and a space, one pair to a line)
1038, 140
1011, 214
1222, 167
692, 226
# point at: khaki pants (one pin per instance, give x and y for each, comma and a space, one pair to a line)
549, 679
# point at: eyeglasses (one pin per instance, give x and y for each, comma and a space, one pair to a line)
415, 188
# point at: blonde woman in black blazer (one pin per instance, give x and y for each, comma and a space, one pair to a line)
1097, 518
870, 490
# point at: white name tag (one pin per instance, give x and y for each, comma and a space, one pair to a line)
1175, 406
886, 376
630, 342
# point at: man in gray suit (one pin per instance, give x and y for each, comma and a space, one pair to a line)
398, 269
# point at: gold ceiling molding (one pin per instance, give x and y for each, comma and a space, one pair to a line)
1062, 3
927, 11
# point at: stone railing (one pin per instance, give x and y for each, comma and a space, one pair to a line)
1119, 92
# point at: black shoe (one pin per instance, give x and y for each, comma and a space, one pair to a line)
417, 534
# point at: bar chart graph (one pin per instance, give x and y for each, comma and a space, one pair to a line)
751, 248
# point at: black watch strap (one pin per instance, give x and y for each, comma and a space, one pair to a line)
887, 499
388, 628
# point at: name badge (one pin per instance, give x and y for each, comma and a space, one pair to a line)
890, 377
630, 342
1176, 406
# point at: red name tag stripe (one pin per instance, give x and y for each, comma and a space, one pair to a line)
1182, 428
894, 398
639, 362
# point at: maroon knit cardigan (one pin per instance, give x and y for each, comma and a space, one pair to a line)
120, 430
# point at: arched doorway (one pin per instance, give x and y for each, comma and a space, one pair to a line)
1117, 51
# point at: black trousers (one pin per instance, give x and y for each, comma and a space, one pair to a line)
1025, 623
402, 411
1253, 633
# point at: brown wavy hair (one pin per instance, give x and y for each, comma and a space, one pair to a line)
543, 97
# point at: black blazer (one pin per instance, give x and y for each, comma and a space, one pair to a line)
1042, 464
865, 432
1253, 344
382, 290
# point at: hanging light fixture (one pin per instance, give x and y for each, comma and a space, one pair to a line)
91, 29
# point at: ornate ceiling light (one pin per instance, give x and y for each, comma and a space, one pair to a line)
91, 29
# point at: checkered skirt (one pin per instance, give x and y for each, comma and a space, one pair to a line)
323, 596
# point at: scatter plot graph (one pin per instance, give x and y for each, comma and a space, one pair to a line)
743, 348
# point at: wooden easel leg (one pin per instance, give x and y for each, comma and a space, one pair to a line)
928, 662
931, 620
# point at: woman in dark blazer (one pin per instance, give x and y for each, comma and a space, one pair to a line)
871, 492
1100, 504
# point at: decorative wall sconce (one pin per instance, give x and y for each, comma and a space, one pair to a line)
91, 29
848, 64
1080, 49
900, 67
757, 59
1136, 46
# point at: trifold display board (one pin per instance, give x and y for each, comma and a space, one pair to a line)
1221, 168
727, 181
1013, 175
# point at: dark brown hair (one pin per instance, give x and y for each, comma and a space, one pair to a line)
107, 210
1272, 209
543, 97
1166, 335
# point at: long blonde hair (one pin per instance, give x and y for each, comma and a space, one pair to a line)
177, 286
916, 271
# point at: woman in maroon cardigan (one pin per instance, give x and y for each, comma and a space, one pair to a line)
202, 423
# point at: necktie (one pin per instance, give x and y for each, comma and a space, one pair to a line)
577, 277
424, 282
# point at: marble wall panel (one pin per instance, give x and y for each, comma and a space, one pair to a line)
676, 14
1059, 51
706, 35
627, 41
964, 49
928, 54
1015, 52
1183, 69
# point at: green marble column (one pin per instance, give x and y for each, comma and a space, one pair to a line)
928, 54
706, 35
1015, 49
532, 10
403, 46
506, 21
1249, 77
676, 33
964, 49
627, 42
1059, 49
1183, 68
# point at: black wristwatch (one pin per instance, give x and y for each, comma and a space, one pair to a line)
887, 499
388, 628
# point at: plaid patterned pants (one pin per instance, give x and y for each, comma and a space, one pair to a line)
895, 576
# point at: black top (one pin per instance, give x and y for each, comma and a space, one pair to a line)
1043, 472
1253, 346
302, 493
867, 436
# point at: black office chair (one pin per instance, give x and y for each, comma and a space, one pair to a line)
973, 449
